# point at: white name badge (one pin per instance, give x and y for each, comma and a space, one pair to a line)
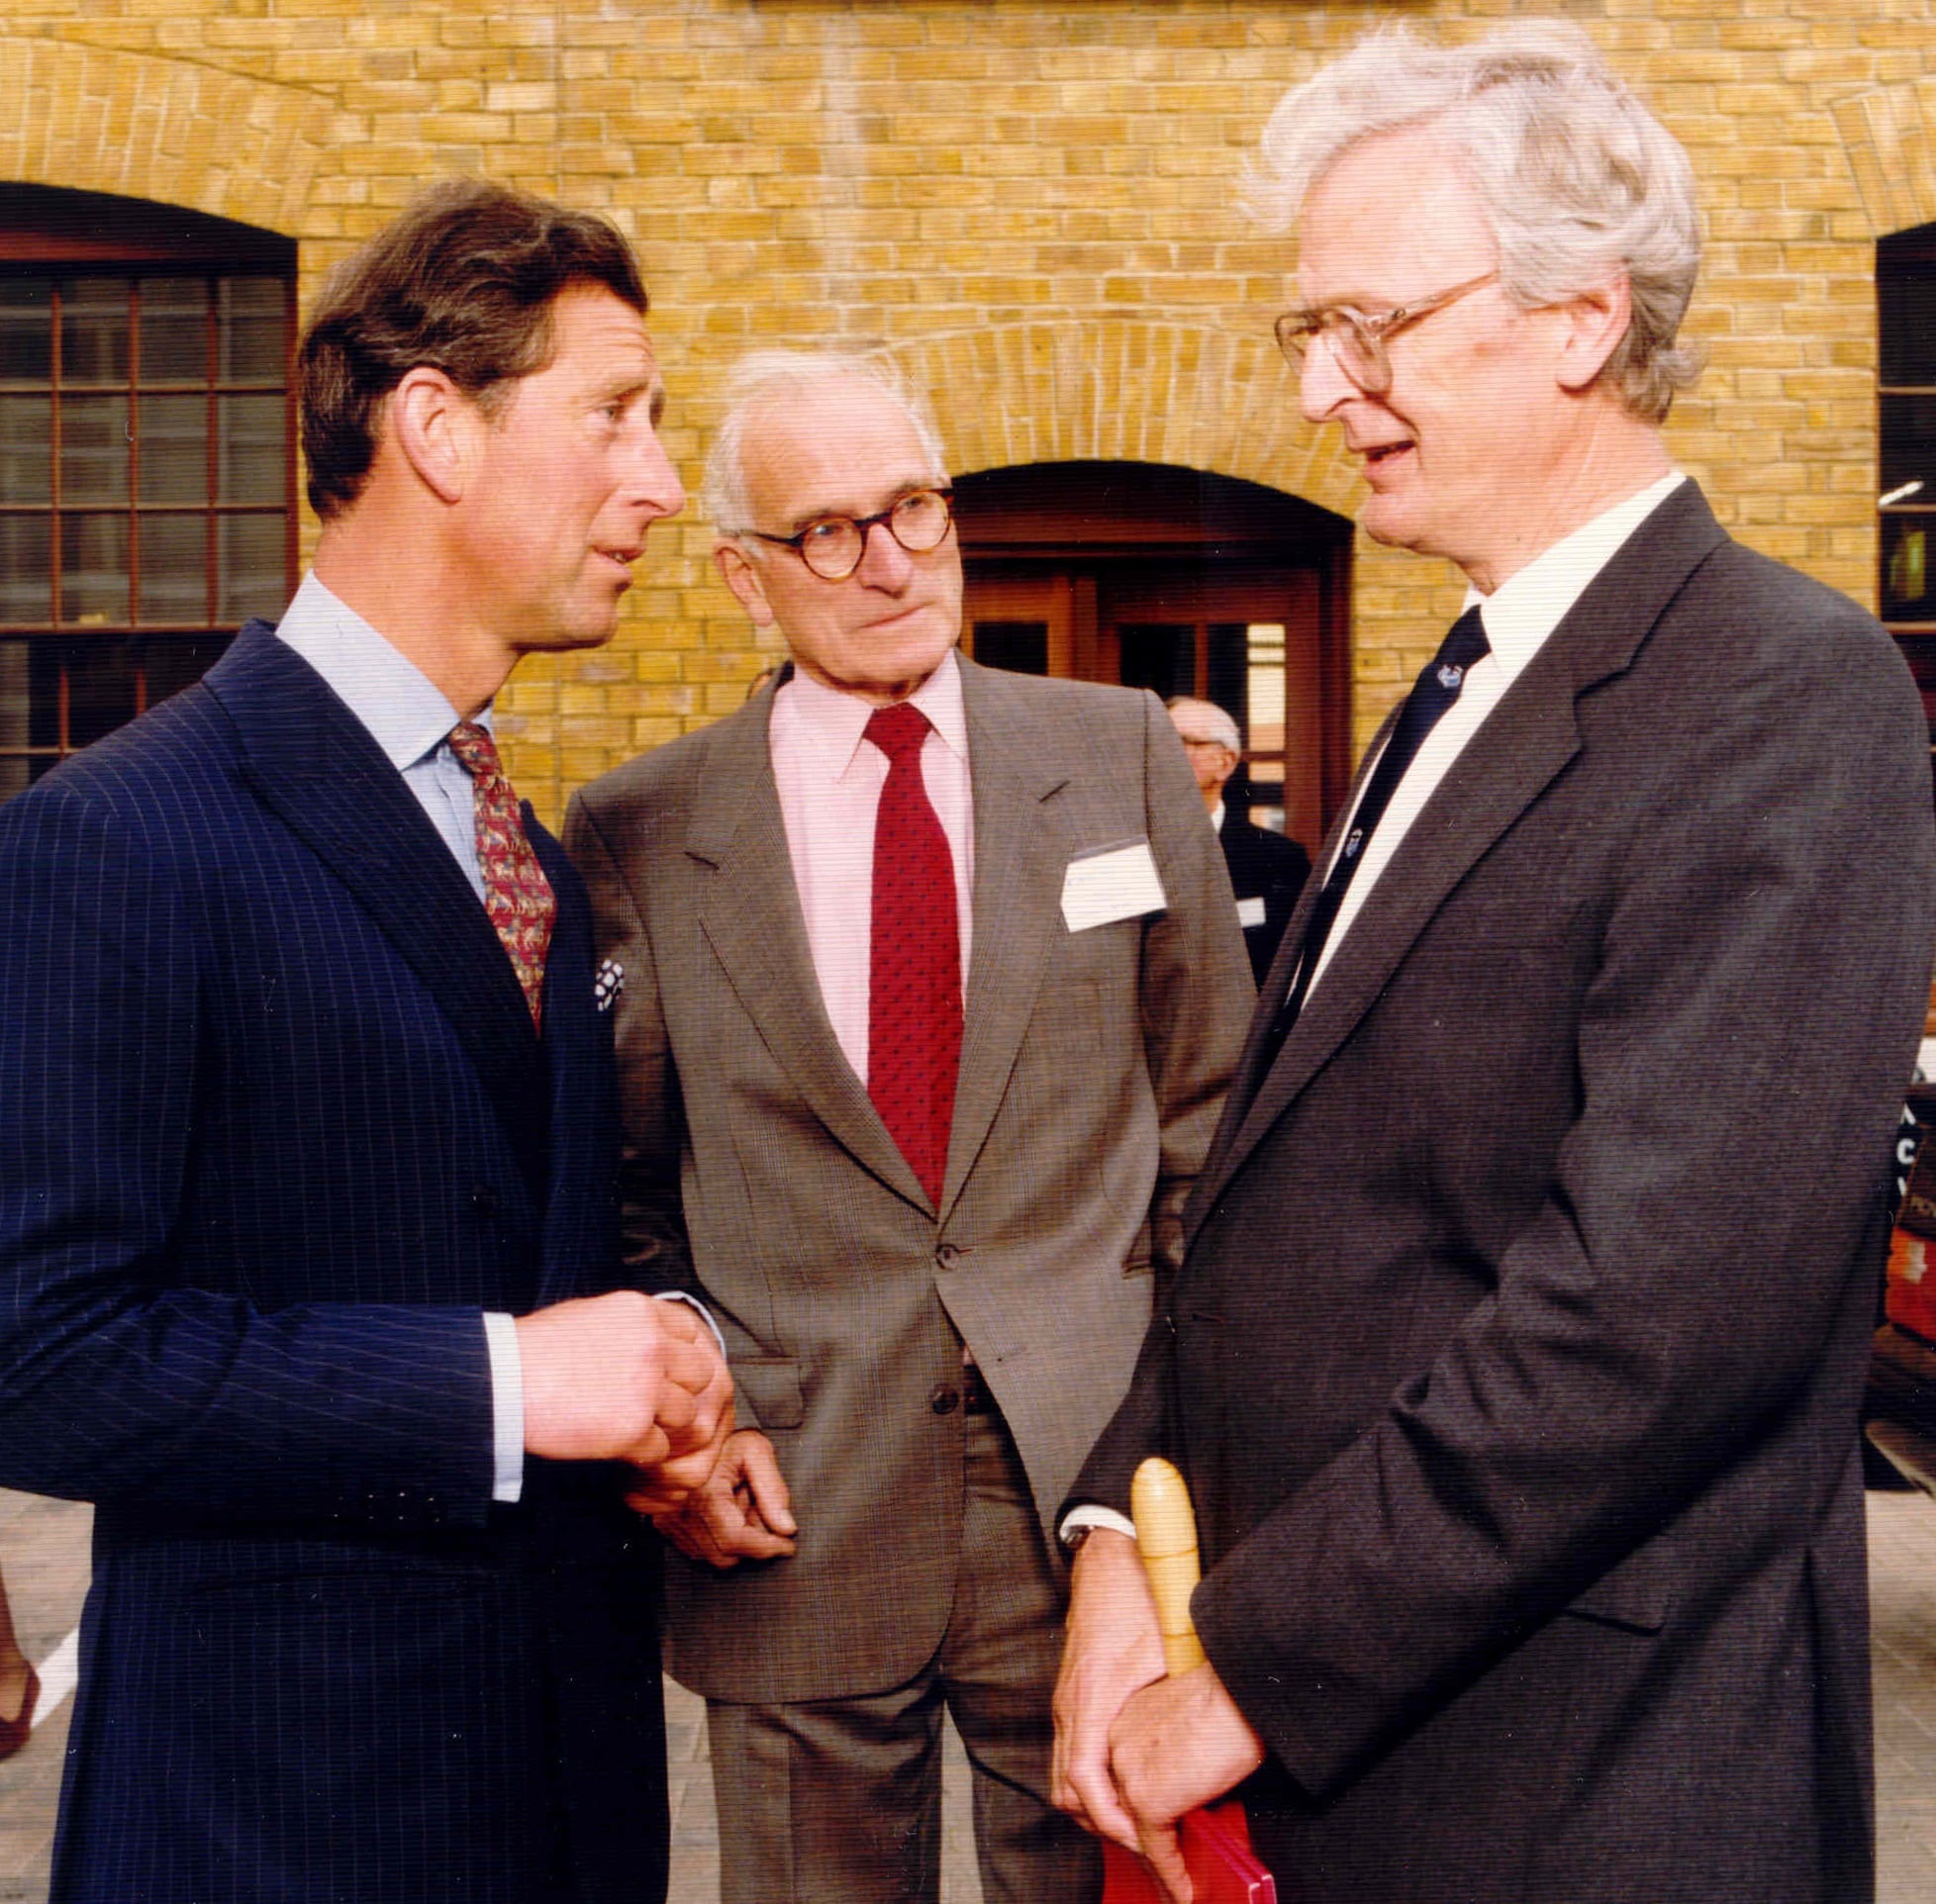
1250, 911
1117, 883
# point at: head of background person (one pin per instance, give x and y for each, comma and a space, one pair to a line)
477, 389
1211, 744
1523, 235
828, 492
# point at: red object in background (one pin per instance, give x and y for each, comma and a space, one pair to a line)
1223, 1868
1912, 1284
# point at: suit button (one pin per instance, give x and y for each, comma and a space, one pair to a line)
947, 1256
484, 1200
944, 1401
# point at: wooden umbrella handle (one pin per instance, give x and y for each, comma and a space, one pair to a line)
1166, 1536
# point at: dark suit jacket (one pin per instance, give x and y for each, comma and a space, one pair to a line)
1516, 1355
275, 1130
1263, 866
1093, 1066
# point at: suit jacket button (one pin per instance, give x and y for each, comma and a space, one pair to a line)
944, 1401
484, 1200
947, 1256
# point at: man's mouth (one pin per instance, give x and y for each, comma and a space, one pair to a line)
623, 557
1380, 453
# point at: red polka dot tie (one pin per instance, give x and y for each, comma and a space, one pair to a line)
914, 1018
516, 895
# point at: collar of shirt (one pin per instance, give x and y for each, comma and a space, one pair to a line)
1519, 617
827, 726
1523, 611
1216, 817
405, 711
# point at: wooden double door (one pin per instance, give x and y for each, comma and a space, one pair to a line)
1121, 574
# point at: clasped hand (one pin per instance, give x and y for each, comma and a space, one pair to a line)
625, 1376
1133, 1750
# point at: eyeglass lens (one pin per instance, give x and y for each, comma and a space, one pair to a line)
833, 546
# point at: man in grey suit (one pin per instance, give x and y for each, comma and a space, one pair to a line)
1516, 1353
931, 992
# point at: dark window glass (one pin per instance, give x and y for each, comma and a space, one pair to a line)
1020, 646
1160, 656
147, 461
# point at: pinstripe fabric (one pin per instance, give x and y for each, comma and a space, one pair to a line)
274, 1128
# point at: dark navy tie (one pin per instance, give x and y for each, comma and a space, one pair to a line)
1432, 693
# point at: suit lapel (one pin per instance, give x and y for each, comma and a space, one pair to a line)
316, 767
1527, 740
749, 911
1020, 858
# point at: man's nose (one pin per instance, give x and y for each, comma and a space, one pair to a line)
1323, 383
656, 482
884, 563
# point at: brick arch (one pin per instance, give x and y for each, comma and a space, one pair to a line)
1890, 136
1125, 390
163, 130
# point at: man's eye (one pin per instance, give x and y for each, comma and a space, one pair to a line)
829, 531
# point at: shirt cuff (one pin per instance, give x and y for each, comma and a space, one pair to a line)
700, 1309
506, 1406
1092, 1515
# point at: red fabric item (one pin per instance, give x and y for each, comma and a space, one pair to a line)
914, 1014
1216, 1852
516, 895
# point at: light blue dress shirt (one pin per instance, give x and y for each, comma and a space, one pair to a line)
408, 717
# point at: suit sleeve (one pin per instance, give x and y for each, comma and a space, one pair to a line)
657, 1254
1197, 997
1741, 1052
115, 1383
1196, 987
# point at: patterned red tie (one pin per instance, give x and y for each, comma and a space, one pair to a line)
516, 895
913, 1017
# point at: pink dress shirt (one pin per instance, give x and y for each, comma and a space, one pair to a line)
830, 782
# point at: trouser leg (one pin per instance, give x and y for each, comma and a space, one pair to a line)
998, 1669
837, 1802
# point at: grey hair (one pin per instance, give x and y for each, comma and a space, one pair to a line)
1215, 723
762, 377
1578, 179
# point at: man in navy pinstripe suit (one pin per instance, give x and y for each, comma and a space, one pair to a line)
285, 1147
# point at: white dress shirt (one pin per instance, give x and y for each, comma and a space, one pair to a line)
829, 778
1519, 616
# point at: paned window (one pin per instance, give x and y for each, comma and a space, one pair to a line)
147, 458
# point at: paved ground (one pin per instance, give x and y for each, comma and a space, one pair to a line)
44, 1551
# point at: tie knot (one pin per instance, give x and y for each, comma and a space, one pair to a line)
476, 751
1465, 642
898, 730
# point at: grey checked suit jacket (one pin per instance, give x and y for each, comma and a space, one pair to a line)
1093, 1065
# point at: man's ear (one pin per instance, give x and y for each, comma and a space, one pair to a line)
743, 579
1596, 320
435, 428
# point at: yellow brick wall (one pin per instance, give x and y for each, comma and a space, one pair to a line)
1029, 203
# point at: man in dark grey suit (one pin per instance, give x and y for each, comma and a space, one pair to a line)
1515, 1358
932, 1286
1267, 871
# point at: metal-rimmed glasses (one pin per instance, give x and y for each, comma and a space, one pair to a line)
1357, 337
832, 546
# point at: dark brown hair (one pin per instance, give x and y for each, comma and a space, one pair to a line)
463, 281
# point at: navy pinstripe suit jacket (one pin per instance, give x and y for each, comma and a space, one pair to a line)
274, 1129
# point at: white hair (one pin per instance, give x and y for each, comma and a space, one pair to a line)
1211, 722
763, 377
1577, 180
